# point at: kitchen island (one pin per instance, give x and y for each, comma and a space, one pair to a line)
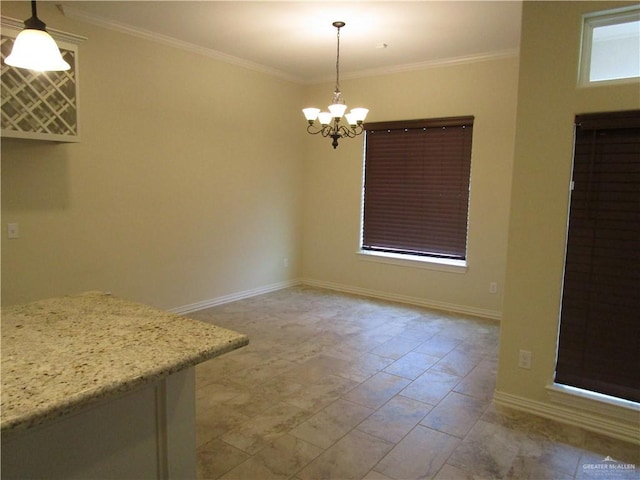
98, 387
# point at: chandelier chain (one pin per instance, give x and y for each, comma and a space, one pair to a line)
338, 62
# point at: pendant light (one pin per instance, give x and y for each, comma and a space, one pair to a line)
34, 48
330, 121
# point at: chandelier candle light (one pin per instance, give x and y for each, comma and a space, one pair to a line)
330, 121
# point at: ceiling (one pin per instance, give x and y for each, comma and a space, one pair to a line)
296, 40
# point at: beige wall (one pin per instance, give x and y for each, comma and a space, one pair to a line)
186, 185
548, 101
189, 184
333, 188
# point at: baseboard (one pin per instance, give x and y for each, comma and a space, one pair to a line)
233, 297
448, 307
625, 429
394, 297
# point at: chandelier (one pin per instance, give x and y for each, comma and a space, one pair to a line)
330, 125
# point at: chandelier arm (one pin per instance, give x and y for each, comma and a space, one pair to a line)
325, 130
316, 132
351, 132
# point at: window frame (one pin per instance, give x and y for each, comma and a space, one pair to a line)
591, 21
406, 259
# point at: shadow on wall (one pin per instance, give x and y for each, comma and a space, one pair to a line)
39, 173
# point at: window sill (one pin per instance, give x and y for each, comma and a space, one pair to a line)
415, 261
609, 82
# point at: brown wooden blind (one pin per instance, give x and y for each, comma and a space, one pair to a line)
599, 343
416, 190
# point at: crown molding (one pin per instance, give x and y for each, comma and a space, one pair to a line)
77, 14
444, 62
15, 26
100, 21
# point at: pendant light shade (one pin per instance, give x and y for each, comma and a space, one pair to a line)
35, 49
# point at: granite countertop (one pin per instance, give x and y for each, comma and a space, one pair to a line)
61, 354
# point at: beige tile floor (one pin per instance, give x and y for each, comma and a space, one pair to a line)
334, 386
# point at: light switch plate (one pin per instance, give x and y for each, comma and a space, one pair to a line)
13, 231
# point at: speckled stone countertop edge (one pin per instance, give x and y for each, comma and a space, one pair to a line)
64, 354
86, 399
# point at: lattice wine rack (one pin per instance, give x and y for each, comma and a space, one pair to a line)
39, 105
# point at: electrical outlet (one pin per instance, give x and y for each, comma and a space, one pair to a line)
285, 262
524, 359
493, 287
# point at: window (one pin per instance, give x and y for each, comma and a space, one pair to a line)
416, 187
599, 341
611, 46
